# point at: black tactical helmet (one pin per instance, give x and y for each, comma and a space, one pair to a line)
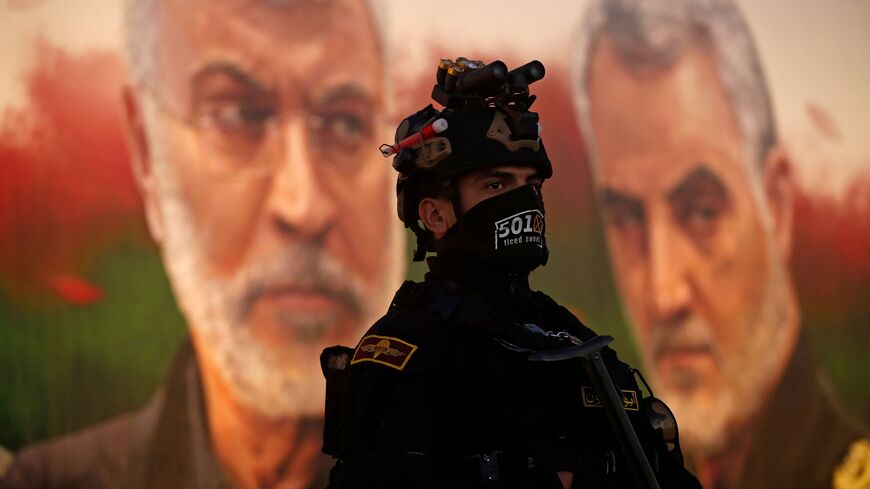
485, 122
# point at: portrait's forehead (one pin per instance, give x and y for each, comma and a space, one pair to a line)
277, 11
270, 40
651, 128
681, 96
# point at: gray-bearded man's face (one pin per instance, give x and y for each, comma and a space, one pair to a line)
274, 207
699, 271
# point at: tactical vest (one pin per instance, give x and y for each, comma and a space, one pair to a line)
502, 421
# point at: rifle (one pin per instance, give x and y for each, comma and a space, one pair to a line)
589, 352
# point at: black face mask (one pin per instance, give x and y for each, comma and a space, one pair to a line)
506, 231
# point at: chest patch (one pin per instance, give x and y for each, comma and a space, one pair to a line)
591, 399
384, 350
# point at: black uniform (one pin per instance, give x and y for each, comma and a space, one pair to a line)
440, 393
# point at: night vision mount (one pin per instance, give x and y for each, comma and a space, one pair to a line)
464, 84
467, 84
470, 84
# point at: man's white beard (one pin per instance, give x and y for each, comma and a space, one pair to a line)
260, 377
711, 428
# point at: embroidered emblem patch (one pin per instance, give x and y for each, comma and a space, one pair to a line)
854, 471
629, 398
385, 350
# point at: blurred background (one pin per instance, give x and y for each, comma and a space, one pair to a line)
88, 323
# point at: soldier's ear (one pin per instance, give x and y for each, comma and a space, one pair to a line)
140, 161
778, 180
437, 215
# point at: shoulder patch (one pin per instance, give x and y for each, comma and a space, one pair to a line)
385, 350
854, 471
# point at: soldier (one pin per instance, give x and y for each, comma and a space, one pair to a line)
442, 391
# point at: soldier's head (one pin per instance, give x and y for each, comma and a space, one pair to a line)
252, 124
471, 174
696, 195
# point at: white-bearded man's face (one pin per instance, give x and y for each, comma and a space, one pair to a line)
275, 372
255, 137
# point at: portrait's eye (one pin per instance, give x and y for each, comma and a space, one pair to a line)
343, 125
624, 217
345, 129
623, 212
701, 215
699, 203
236, 119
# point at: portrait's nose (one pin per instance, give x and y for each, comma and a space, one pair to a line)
299, 203
669, 287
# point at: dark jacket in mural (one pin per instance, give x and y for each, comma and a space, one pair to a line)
164, 445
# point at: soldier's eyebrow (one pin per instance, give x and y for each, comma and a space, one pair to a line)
497, 173
491, 173
699, 181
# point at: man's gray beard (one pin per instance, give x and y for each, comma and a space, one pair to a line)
747, 375
259, 377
